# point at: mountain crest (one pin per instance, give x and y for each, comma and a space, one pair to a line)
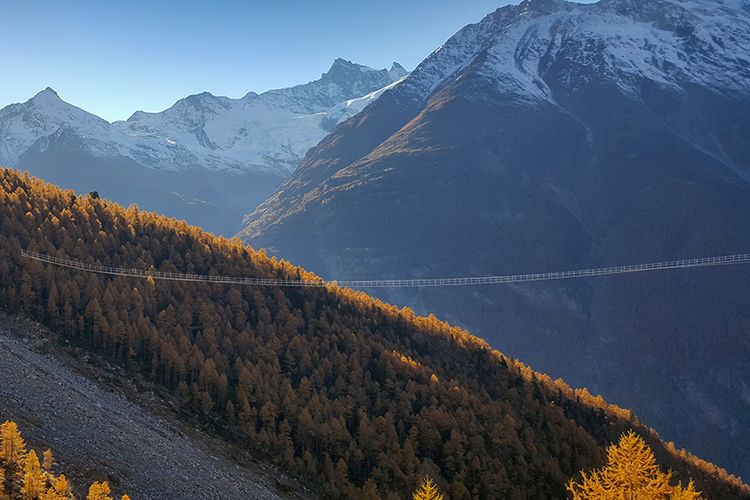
543, 6
24, 123
341, 64
47, 92
46, 97
397, 67
345, 73
397, 71
342, 72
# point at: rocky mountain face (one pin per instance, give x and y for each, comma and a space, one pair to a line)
206, 159
552, 136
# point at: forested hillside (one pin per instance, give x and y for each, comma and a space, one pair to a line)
355, 397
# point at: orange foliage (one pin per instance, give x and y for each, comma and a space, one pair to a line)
23, 477
631, 473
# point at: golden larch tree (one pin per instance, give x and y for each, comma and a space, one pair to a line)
12, 445
48, 460
60, 487
33, 477
631, 473
427, 491
51, 494
99, 491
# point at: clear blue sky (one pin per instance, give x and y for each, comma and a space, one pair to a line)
115, 57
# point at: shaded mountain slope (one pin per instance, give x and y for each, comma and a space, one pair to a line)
356, 397
553, 136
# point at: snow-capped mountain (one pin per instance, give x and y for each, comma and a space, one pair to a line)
207, 159
269, 132
24, 123
551, 136
671, 42
542, 52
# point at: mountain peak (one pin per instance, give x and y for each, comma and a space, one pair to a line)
47, 94
345, 73
397, 67
341, 63
397, 71
344, 70
542, 5
202, 98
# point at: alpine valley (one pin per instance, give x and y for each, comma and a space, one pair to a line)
159, 358
553, 136
207, 159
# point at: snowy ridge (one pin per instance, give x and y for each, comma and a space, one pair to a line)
672, 42
351, 107
267, 132
345, 80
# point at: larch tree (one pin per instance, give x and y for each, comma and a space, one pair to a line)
48, 460
28, 479
33, 478
631, 473
52, 494
12, 445
427, 491
99, 491
61, 486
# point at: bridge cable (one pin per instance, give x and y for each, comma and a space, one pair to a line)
724, 260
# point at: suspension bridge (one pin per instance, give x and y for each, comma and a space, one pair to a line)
724, 260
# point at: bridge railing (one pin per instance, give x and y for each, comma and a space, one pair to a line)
398, 283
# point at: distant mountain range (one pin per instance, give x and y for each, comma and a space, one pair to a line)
208, 159
552, 136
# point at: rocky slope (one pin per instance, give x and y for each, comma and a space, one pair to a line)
552, 136
207, 158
